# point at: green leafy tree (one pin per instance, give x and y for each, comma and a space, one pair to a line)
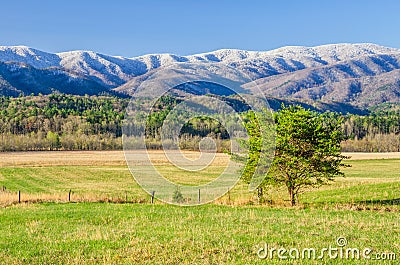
259, 147
54, 140
307, 150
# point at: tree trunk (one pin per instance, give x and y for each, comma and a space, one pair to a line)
292, 196
260, 194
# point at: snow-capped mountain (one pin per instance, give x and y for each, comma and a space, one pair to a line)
20, 78
315, 73
362, 81
116, 70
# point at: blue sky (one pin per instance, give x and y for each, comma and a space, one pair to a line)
131, 28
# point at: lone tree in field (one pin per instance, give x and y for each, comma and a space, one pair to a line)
307, 150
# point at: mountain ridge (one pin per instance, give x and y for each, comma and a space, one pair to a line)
313, 70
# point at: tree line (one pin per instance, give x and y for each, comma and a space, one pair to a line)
67, 122
61, 122
377, 132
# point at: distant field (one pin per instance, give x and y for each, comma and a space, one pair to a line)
104, 176
366, 181
62, 158
363, 207
365, 156
87, 158
91, 176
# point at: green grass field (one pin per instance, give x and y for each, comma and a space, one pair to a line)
363, 207
104, 233
366, 182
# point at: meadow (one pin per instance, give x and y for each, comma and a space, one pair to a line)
110, 219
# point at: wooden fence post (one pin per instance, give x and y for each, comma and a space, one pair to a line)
69, 195
19, 196
199, 197
152, 196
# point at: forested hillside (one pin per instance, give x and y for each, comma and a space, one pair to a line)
61, 122
67, 122
377, 132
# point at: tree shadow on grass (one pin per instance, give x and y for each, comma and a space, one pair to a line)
383, 202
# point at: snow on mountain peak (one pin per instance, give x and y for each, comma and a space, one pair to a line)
24, 54
332, 52
116, 70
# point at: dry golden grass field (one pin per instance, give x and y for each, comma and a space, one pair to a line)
110, 158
